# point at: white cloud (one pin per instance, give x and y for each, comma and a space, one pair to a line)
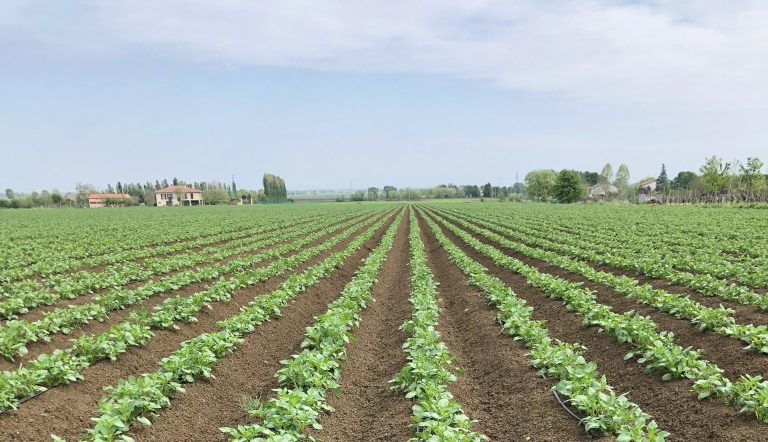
710, 55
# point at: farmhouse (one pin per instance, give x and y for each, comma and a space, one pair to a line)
178, 196
600, 191
646, 191
107, 199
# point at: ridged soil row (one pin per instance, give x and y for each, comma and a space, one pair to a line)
671, 403
59, 340
209, 404
743, 313
726, 352
66, 410
367, 405
36, 313
498, 386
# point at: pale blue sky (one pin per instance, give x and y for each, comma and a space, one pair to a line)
351, 94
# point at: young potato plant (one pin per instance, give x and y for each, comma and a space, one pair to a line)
136, 331
71, 286
306, 378
606, 412
720, 319
429, 370
705, 283
659, 351
17, 333
135, 399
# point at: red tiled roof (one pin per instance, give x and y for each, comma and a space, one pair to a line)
108, 195
171, 189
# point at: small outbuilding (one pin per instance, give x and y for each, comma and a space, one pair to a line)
108, 200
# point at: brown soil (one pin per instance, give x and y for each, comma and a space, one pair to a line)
66, 410
499, 387
249, 371
366, 404
36, 313
726, 352
671, 404
59, 340
745, 314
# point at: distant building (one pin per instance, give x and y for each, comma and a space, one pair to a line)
108, 199
646, 191
178, 196
600, 191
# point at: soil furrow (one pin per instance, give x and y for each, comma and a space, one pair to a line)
728, 353
59, 340
499, 387
743, 313
66, 410
366, 404
249, 371
702, 419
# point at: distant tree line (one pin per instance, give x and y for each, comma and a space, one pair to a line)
214, 192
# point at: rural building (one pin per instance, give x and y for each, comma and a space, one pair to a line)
646, 191
178, 196
107, 199
600, 191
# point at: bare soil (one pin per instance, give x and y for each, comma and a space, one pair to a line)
671, 403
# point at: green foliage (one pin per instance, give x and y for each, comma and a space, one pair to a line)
569, 188
540, 184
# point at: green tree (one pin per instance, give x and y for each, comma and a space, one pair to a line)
389, 191
9, 193
662, 183
752, 175
590, 178
622, 181
471, 191
606, 175
569, 187
714, 174
487, 189
683, 180
373, 193
540, 183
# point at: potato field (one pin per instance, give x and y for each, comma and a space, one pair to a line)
462, 321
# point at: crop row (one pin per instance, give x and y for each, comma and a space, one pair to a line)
16, 334
578, 379
26, 242
76, 284
704, 283
65, 366
430, 368
719, 320
657, 349
703, 257
52, 266
137, 398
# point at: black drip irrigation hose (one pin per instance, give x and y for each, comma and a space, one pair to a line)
21, 401
591, 432
565, 407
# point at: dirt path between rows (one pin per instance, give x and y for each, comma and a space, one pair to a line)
671, 403
726, 352
59, 340
746, 314
249, 371
66, 410
366, 405
499, 387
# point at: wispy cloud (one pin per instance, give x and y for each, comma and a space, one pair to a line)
711, 55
